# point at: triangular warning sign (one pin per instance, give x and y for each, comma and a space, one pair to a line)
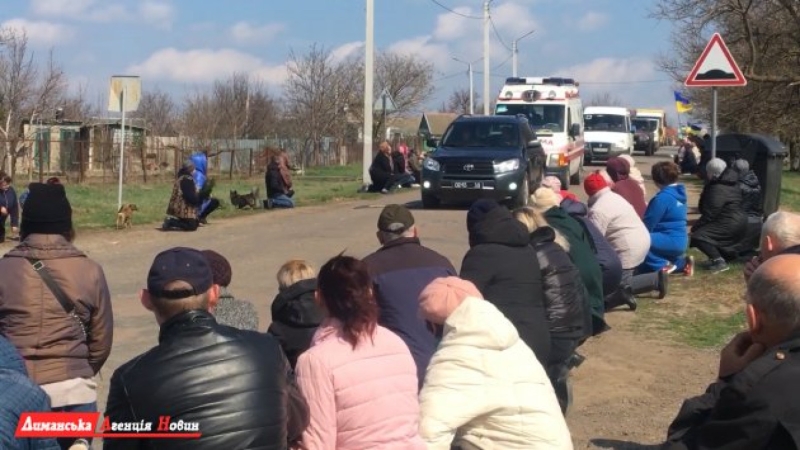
715, 67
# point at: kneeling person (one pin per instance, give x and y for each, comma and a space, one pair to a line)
233, 383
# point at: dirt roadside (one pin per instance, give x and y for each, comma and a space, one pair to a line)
626, 393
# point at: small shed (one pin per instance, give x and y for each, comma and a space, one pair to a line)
434, 124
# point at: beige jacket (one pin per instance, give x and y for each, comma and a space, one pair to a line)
35, 322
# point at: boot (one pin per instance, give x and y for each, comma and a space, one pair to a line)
622, 296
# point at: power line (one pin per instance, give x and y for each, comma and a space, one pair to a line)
628, 82
496, 33
505, 61
454, 12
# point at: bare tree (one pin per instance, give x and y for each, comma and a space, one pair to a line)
764, 37
604, 99
458, 102
158, 111
25, 92
311, 93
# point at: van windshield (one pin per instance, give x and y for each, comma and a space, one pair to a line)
544, 119
604, 122
648, 125
481, 134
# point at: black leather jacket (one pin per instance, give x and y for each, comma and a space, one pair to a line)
565, 297
235, 384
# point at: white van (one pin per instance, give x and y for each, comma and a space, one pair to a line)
555, 113
607, 132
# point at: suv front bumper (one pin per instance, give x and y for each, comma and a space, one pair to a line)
463, 189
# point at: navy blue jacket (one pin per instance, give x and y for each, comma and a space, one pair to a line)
400, 270
605, 253
8, 198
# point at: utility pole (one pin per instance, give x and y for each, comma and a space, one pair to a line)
515, 51
486, 57
369, 44
471, 84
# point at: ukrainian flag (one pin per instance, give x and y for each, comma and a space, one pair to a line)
682, 104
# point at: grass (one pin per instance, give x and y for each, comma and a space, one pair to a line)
790, 191
94, 206
706, 310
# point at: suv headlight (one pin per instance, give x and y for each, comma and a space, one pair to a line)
431, 164
506, 166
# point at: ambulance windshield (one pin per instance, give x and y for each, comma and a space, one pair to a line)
543, 118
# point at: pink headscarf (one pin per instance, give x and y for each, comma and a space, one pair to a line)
443, 295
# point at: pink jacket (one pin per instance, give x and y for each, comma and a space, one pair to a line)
359, 399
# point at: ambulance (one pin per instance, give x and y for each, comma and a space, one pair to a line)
555, 112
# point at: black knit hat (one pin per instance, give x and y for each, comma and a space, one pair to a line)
47, 210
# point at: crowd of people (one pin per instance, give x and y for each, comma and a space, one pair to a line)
397, 350
395, 167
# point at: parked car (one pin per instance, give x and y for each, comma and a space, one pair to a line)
496, 157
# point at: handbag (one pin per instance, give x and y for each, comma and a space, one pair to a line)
61, 296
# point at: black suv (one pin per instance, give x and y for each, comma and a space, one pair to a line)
495, 157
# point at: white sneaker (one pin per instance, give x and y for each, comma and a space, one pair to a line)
414, 185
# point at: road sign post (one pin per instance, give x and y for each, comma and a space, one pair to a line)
715, 68
384, 103
124, 94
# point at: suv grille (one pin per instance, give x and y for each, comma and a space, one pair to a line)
467, 167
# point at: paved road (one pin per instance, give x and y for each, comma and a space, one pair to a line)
257, 245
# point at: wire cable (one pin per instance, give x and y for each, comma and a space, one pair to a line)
455, 12
497, 33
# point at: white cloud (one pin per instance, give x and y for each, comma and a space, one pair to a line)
629, 79
157, 13
592, 21
245, 33
452, 26
422, 47
343, 51
41, 33
205, 65
151, 11
60, 7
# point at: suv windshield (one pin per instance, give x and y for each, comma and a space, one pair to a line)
604, 122
481, 134
647, 125
542, 118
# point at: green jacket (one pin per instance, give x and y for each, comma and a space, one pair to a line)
580, 251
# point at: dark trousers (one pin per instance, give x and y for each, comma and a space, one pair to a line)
174, 223
561, 349
212, 205
708, 249
3, 228
631, 284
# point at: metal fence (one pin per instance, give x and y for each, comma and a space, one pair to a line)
156, 158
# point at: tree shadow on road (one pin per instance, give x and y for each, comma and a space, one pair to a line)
614, 444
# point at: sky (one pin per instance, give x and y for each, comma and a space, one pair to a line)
181, 45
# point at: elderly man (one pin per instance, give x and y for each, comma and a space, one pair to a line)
779, 234
755, 404
235, 385
400, 270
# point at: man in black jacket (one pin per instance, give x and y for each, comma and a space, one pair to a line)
755, 404
400, 270
235, 385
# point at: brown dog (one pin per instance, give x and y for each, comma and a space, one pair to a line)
125, 215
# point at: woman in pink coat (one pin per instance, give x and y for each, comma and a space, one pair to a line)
359, 378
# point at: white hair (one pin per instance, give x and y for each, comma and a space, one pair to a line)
784, 228
715, 167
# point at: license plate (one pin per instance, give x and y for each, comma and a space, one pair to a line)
466, 184
600, 150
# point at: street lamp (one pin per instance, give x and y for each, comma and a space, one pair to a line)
515, 50
471, 89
